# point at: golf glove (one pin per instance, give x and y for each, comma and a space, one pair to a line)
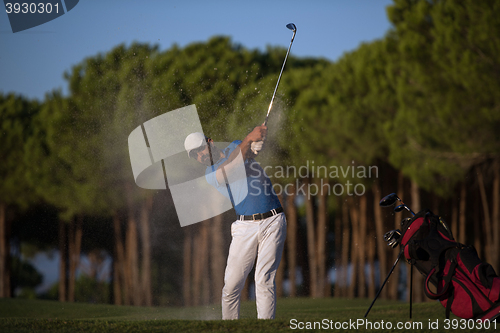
256, 147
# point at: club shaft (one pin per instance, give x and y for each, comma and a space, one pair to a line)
407, 208
279, 79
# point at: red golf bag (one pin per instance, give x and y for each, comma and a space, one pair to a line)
454, 274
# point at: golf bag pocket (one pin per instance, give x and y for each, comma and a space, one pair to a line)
454, 273
474, 287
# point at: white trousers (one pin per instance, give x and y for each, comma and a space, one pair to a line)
264, 240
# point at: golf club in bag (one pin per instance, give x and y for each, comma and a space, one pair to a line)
454, 274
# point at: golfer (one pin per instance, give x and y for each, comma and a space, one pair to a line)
259, 231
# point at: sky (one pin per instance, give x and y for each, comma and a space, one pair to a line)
33, 61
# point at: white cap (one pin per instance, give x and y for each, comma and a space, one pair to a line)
194, 140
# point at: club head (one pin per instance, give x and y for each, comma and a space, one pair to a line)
291, 26
399, 208
393, 243
389, 235
405, 221
389, 200
392, 238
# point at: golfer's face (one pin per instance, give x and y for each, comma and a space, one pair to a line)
202, 155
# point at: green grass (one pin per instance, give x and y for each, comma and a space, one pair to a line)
18, 315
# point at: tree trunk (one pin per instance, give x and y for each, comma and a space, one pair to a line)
454, 217
291, 240
217, 261
362, 245
496, 217
371, 265
4, 253
355, 279
205, 256
187, 264
146, 252
338, 253
131, 248
462, 215
74, 248
379, 229
487, 225
280, 273
197, 267
415, 196
116, 297
436, 204
478, 218
321, 232
78, 242
346, 241
311, 246
119, 283
70, 229
63, 255
370, 246
393, 283
418, 293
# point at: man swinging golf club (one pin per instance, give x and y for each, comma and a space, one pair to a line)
259, 231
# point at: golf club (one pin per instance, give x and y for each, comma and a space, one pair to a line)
405, 221
399, 208
392, 238
292, 27
391, 199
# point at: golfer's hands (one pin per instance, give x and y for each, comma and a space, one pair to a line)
256, 147
258, 134
257, 137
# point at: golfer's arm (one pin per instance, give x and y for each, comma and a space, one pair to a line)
230, 164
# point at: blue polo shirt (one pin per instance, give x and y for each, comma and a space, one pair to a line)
255, 195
